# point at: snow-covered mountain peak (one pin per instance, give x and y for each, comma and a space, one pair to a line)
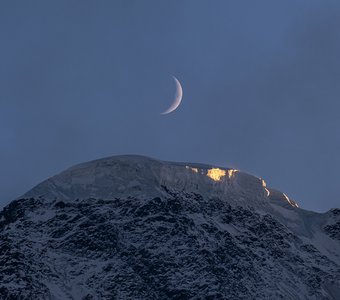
137, 175
132, 227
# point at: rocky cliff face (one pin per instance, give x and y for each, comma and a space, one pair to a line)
130, 227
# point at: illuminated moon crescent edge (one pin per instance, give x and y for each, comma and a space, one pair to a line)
178, 98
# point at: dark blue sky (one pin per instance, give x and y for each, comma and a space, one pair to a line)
81, 80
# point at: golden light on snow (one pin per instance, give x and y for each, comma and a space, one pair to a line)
264, 184
192, 169
267, 191
216, 174
292, 203
231, 173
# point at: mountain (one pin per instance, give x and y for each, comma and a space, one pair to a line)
132, 227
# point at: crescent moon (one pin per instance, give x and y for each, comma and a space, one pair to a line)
178, 98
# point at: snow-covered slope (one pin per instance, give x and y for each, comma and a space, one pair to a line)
131, 227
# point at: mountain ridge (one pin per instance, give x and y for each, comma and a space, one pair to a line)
81, 175
132, 227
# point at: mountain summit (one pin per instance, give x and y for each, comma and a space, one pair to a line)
132, 227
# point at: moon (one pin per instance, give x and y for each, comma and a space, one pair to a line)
178, 98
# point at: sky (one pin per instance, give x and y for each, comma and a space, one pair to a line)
81, 80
